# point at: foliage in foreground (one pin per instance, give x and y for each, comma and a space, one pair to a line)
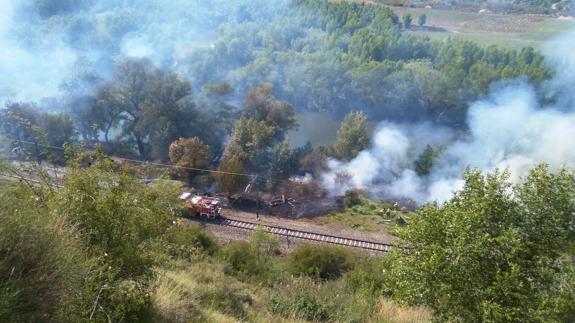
105, 248
496, 252
43, 266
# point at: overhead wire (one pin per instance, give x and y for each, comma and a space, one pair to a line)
254, 178
146, 162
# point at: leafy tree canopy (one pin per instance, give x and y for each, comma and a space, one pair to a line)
495, 252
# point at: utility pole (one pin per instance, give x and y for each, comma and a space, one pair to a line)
257, 200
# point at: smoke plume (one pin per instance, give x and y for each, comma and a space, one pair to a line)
509, 129
44, 42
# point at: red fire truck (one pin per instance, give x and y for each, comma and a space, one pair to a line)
209, 207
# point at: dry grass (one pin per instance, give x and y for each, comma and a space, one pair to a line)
390, 311
171, 302
200, 293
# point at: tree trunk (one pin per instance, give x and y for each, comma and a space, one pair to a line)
141, 148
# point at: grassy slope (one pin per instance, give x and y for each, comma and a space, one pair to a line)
201, 292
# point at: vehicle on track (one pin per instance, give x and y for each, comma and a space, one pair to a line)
202, 206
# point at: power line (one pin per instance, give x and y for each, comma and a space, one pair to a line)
254, 177
145, 162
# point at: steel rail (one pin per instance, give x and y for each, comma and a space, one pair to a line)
307, 235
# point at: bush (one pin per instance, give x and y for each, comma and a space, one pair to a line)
351, 199
252, 260
366, 277
306, 306
42, 262
184, 241
241, 261
126, 301
320, 261
226, 298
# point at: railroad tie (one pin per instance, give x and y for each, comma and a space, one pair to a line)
310, 236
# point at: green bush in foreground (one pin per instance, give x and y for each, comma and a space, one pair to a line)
496, 252
43, 265
252, 260
306, 306
320, 262
184, 241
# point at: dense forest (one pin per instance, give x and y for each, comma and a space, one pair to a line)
135, 90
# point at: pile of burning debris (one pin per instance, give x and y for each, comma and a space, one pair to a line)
282, 205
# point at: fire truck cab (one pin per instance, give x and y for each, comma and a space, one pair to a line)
204, 206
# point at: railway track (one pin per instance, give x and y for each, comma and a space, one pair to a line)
306, 235
276, 230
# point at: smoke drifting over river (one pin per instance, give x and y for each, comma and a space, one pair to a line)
509, 129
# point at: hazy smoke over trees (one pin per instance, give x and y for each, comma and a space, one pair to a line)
315, 54
509, 129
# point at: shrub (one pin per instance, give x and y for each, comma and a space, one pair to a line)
366, 277
306, 306
184, 241
351, 199
320, 261
226, 298
252, 260
42, 262
126, 301
117, 213
241, 261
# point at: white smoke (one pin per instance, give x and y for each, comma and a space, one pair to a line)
509, 129
40, 52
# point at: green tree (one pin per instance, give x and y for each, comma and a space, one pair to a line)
116, 213
422, 19
250, 142
495, 252
20, 122
352, 136
189, 153
232, 176
261, 105
424, 163
38, 134
407, 19
284, 163
152, 106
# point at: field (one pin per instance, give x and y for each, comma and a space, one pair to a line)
370, 216
507, 30
511, 31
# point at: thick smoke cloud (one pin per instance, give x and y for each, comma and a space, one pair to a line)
42, 46
28, 73
510, 129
